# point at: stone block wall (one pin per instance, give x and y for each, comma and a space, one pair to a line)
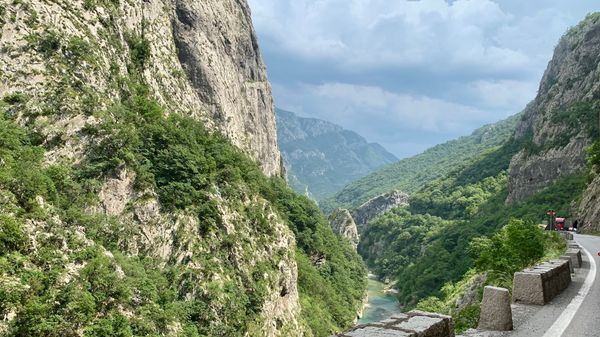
412, 324
540, 284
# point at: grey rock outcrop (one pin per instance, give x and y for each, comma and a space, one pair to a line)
496, 314
218, 50
343, 224
377, 206
471, 294
530, 174
559, 124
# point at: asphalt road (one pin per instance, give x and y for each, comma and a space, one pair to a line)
587, 319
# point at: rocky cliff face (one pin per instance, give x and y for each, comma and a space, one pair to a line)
377, 206
200, 59
563, 119
64, 65
343, 225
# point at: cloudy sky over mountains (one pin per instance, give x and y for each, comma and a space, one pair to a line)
410, 74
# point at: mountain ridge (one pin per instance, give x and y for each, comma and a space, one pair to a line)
321, 156
410, 174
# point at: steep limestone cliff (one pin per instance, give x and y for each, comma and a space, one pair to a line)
343, 225
124, 215
588, 214
377, 206
200, 59
561, 122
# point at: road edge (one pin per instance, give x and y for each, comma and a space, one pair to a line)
564, 320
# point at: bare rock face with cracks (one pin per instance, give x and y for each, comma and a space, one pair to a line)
561, 122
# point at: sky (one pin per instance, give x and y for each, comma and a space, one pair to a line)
410, 74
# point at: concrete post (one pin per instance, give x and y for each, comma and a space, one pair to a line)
496, 314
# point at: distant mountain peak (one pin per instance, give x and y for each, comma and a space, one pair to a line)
322, 157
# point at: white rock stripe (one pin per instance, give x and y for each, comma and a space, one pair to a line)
558, 328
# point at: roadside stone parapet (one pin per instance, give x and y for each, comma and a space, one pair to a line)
575, 255
541, 283
571, 265
412, 324
496, 314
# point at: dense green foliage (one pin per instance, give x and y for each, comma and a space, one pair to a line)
518, 245
331, 276
110, 293
426, 246
321, 157
409, 175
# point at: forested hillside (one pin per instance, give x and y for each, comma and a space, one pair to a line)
478, 223
71, 269
322, 157
410, 174
427, 245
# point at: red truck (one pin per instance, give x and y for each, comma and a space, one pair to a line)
559, 224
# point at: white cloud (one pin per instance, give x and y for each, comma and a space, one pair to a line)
510, 96
400, 111
381, 33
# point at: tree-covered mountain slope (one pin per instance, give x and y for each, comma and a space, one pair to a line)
322, 157
140, 188
410, 174
427, 244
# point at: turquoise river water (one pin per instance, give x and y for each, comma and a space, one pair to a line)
381, 305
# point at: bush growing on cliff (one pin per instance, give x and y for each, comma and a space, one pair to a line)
519, 244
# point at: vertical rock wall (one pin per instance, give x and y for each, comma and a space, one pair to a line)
204, 61
562, 121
